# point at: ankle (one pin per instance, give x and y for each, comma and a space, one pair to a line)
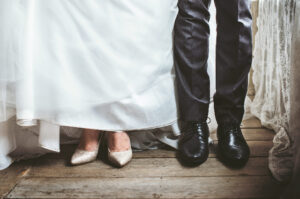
89, 140
118, 141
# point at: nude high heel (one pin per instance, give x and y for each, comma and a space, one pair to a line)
82, 156
119, 158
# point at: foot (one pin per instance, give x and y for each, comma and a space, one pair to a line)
233, 149
119, 148
89, 140
118, 141
193, 144
87, 149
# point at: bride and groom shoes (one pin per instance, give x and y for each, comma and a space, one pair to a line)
118, 158
233, 62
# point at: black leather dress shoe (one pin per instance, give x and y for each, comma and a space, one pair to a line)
233, 149
193, 144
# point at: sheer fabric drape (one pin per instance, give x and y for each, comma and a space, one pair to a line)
293, 191
271, 77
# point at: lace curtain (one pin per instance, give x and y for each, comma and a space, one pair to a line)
293, 191
271, 78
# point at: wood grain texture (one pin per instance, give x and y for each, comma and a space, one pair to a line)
251, 123
160, 187
143, 168
9, 177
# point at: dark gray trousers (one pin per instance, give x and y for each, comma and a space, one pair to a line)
233, 59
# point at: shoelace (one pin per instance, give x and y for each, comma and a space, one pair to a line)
233, 130
190, 132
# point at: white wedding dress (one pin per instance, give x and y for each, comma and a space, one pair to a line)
104, 65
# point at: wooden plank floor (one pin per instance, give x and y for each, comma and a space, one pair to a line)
151, 174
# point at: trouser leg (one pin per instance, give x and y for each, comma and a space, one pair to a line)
233, 59
191, 47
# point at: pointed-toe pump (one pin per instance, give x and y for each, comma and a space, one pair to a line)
121, 158
82, 156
